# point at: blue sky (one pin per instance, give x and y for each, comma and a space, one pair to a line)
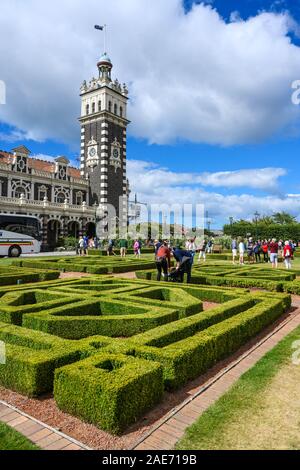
196, 154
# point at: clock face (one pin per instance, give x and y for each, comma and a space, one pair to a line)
92, 152
116, 153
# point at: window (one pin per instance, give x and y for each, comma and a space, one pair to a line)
42, 193
79, 198
87, 109
19, 191
115, 109
99, 106
21, 164
93, 108
24, 225
121, 111
109, 106
60, 198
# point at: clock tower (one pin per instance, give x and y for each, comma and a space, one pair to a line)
103, 137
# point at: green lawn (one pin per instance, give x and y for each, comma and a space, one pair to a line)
12, 440
261, 411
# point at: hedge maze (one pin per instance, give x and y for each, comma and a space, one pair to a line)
90, 264
108, 348
250, 276
9, 275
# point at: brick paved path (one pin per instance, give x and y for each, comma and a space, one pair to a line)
172, 427
37, 432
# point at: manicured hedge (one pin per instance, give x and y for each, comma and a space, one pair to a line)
111, 391
13, 314
116, 343
26, 276
292, 287
186, 359
86, 264
92, 317
172, 333
32, 357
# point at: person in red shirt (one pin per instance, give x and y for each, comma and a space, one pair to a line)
265, 249
288, 255
163, 261
274, 253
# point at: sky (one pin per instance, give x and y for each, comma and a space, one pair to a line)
212, 117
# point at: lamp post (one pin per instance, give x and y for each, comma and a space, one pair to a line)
256, 215
231, 223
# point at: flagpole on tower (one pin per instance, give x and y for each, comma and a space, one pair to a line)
105, 38
103, 28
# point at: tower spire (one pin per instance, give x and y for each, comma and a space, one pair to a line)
105, 66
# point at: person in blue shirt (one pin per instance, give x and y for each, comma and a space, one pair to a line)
85, 244
184, 260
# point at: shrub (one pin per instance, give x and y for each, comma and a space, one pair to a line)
186, 359
111, 391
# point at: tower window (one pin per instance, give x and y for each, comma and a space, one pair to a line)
99, 105
93, 107
109, 106
87, 109
115, 109
121, 111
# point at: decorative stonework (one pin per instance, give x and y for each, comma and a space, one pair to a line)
95, 84
115, 157
19, 187
92, 154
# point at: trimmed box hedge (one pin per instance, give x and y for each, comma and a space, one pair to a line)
113, 345
186, 359
109, 390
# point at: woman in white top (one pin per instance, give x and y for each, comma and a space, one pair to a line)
242, 251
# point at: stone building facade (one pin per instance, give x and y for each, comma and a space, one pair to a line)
67, 199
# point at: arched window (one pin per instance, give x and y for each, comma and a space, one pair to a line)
19, 191
109, 106
93, 107
99, 106
121, 111
60, 198
115, 109
87, 109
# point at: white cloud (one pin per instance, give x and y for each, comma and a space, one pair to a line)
191, 76
148, 177
158, 185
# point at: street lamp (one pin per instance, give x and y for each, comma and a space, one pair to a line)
231, 223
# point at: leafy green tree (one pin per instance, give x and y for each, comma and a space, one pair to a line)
283, 218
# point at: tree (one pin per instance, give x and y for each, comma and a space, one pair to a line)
283, 218
266, 220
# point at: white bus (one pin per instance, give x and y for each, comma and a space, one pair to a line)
19, 234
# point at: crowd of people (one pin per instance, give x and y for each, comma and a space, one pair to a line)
267, 251
260, 251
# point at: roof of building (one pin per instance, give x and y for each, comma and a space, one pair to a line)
39, 165
105, 58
